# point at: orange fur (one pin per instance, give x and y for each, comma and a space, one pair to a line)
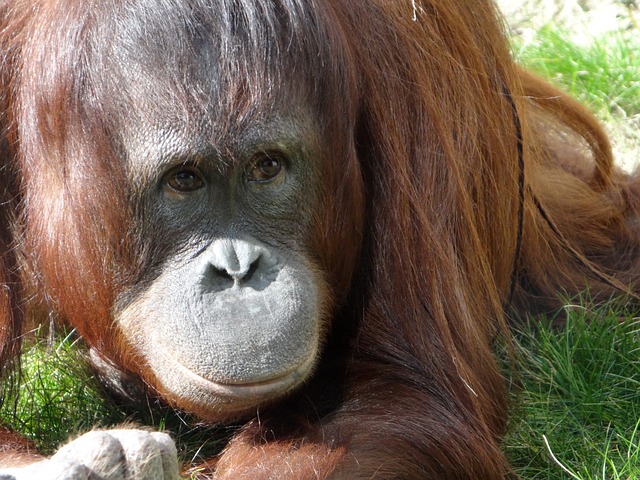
456, 180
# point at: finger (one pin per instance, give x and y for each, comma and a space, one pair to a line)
142, 453
100, 452
169, 455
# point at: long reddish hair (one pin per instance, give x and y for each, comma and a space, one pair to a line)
456, 184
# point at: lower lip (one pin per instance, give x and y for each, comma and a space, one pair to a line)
244, 390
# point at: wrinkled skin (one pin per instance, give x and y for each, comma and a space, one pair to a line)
235, 316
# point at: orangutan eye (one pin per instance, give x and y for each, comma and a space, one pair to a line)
184, 179
264, 167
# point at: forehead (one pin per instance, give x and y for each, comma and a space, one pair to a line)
224, 61
185, 80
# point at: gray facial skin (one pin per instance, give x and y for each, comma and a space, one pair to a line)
234, 316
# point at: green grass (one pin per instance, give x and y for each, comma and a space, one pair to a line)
604, 75
54, 395
577, 406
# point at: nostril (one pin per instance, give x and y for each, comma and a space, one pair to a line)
216, 278
252, 269
221, 273
244, 276
235, 263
